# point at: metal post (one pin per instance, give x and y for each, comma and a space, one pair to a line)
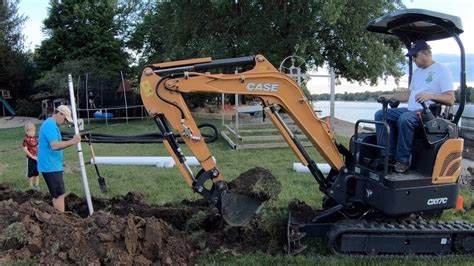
101, 95
105, 115
332, 97
87, 98
78, 88
85, 182
223, 109
237, 114
298, 76
124, 96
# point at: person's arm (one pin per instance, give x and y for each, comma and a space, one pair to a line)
401, 96
446, 98
58, 145
28, 153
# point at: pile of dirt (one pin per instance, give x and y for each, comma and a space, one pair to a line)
35, 231
122, 230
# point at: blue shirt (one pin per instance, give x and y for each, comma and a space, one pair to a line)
49, 160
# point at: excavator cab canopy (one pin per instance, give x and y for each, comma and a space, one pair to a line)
410, 25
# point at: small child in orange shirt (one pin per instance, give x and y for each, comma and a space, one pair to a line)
30, 146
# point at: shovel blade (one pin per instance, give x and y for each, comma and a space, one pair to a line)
239, 210
102, 185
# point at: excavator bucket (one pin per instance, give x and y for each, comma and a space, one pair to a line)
239, 210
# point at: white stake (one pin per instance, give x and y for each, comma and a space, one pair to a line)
85, 182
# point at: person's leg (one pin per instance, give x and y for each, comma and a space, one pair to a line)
406, 128
33, 173
380, 130
31, 169
58, 197
58, 203
393, 115
55, 183
35, 180
47, 180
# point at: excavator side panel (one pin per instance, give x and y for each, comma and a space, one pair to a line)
447, 168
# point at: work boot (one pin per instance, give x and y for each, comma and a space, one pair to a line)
401, 167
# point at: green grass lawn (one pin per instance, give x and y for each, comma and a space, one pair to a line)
160, 185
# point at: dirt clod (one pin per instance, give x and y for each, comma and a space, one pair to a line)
257, 183
300, 210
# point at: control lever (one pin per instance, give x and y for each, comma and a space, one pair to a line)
385, 103
426, 115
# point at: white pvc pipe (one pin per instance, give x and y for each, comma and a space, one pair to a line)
300, 168
85, 183
159, 161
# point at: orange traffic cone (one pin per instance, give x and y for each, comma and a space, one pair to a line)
459, 203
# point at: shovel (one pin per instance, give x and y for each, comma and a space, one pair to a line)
101, 180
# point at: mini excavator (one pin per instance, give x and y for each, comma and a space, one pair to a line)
367, 207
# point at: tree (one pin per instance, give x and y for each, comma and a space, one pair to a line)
80, 31
320, 31
14, 62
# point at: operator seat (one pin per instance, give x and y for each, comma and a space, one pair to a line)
429, 137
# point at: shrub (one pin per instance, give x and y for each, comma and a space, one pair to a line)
27, 108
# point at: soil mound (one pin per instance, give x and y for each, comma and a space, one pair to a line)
34, 231
123, 230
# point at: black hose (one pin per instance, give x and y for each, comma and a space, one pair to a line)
139, 139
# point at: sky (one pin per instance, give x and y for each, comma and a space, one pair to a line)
36, 11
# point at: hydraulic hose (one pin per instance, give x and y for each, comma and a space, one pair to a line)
140, 139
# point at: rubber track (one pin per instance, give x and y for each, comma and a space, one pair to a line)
410, 227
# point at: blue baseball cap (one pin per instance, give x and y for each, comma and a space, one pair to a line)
417, 46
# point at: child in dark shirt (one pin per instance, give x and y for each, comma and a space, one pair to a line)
30, 146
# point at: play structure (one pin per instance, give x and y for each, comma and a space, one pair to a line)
4, 96
107, 100
48, 106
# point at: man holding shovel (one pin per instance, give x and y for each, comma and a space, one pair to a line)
50, 154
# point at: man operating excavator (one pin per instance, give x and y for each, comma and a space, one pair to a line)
431, 82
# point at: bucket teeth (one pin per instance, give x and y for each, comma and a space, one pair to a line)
294, 236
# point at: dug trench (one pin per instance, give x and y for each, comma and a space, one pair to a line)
126, 230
